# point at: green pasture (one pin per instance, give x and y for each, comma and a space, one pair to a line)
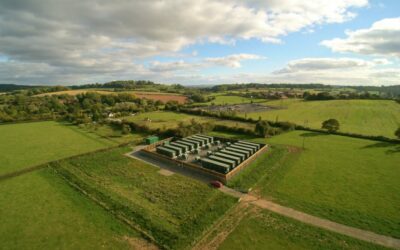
351, 181
261, 230
175, 210
166, 120
40, 211
232, 99
369, 117
28, 144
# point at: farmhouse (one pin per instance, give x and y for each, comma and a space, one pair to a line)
216, 157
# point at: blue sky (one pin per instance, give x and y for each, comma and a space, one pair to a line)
202, 42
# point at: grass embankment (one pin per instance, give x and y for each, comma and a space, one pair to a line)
174, 210
369, 117
40, 211
167, 120
261, 230
28, 144
348, 180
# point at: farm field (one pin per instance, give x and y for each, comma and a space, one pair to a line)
175, 210
28, 144
261, 229
164, 97
161, 119
369, 117
232, 99
40, 211
348, 180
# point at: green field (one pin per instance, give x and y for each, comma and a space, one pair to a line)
40, 211
349, 180
261, 230
28, 144
370, 117
166, 120
175, 210
232, 99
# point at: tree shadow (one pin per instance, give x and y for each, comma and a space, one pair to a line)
392, 147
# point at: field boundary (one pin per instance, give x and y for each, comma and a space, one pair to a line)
46, 164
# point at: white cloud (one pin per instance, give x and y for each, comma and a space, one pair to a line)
382, 38
232, 61
87, 38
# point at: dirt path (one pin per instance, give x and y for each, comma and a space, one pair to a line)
353, 232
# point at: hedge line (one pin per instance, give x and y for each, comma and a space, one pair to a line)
286, 125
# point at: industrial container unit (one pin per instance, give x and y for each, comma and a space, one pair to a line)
202, 141
242, 156
254, 147
195, 144
215, 165
177, 150
250, 149
251, 143
210, 138
230, 157
165, 151
190, 145
232, 164
183, 147
245, 153
151, 139
205, 140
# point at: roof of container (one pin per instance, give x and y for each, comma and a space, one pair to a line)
215, 162
227, 155
214, 157
207, 136
179, 144
246, 145
251, 143
172, 147
199, 137
237, 150
191, 141
241, 154
166, 149
241, 147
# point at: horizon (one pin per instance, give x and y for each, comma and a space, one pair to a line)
203, 43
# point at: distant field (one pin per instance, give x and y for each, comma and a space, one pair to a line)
27, 144
175, 210
261, 230
232, 99
348, 180
40, 211
164, 97
370, 117
162, 119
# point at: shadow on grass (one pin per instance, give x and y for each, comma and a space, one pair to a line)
312, 134
392, 147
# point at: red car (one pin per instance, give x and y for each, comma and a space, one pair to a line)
216, 184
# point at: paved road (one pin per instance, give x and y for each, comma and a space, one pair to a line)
368, 236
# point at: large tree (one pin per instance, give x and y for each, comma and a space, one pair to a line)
397, 133
331, 125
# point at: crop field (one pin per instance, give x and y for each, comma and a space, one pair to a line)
174, 210
28, 144
166, 120
40, 211
369, 117
264, 230
348, 180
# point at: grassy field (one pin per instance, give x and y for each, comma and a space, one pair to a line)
261, 230
166, 120
175, 210
232, 99
40, 211
27, 144
351, 181
370, 117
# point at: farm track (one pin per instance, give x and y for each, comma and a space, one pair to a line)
353, 232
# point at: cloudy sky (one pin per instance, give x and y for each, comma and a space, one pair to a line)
200, 42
